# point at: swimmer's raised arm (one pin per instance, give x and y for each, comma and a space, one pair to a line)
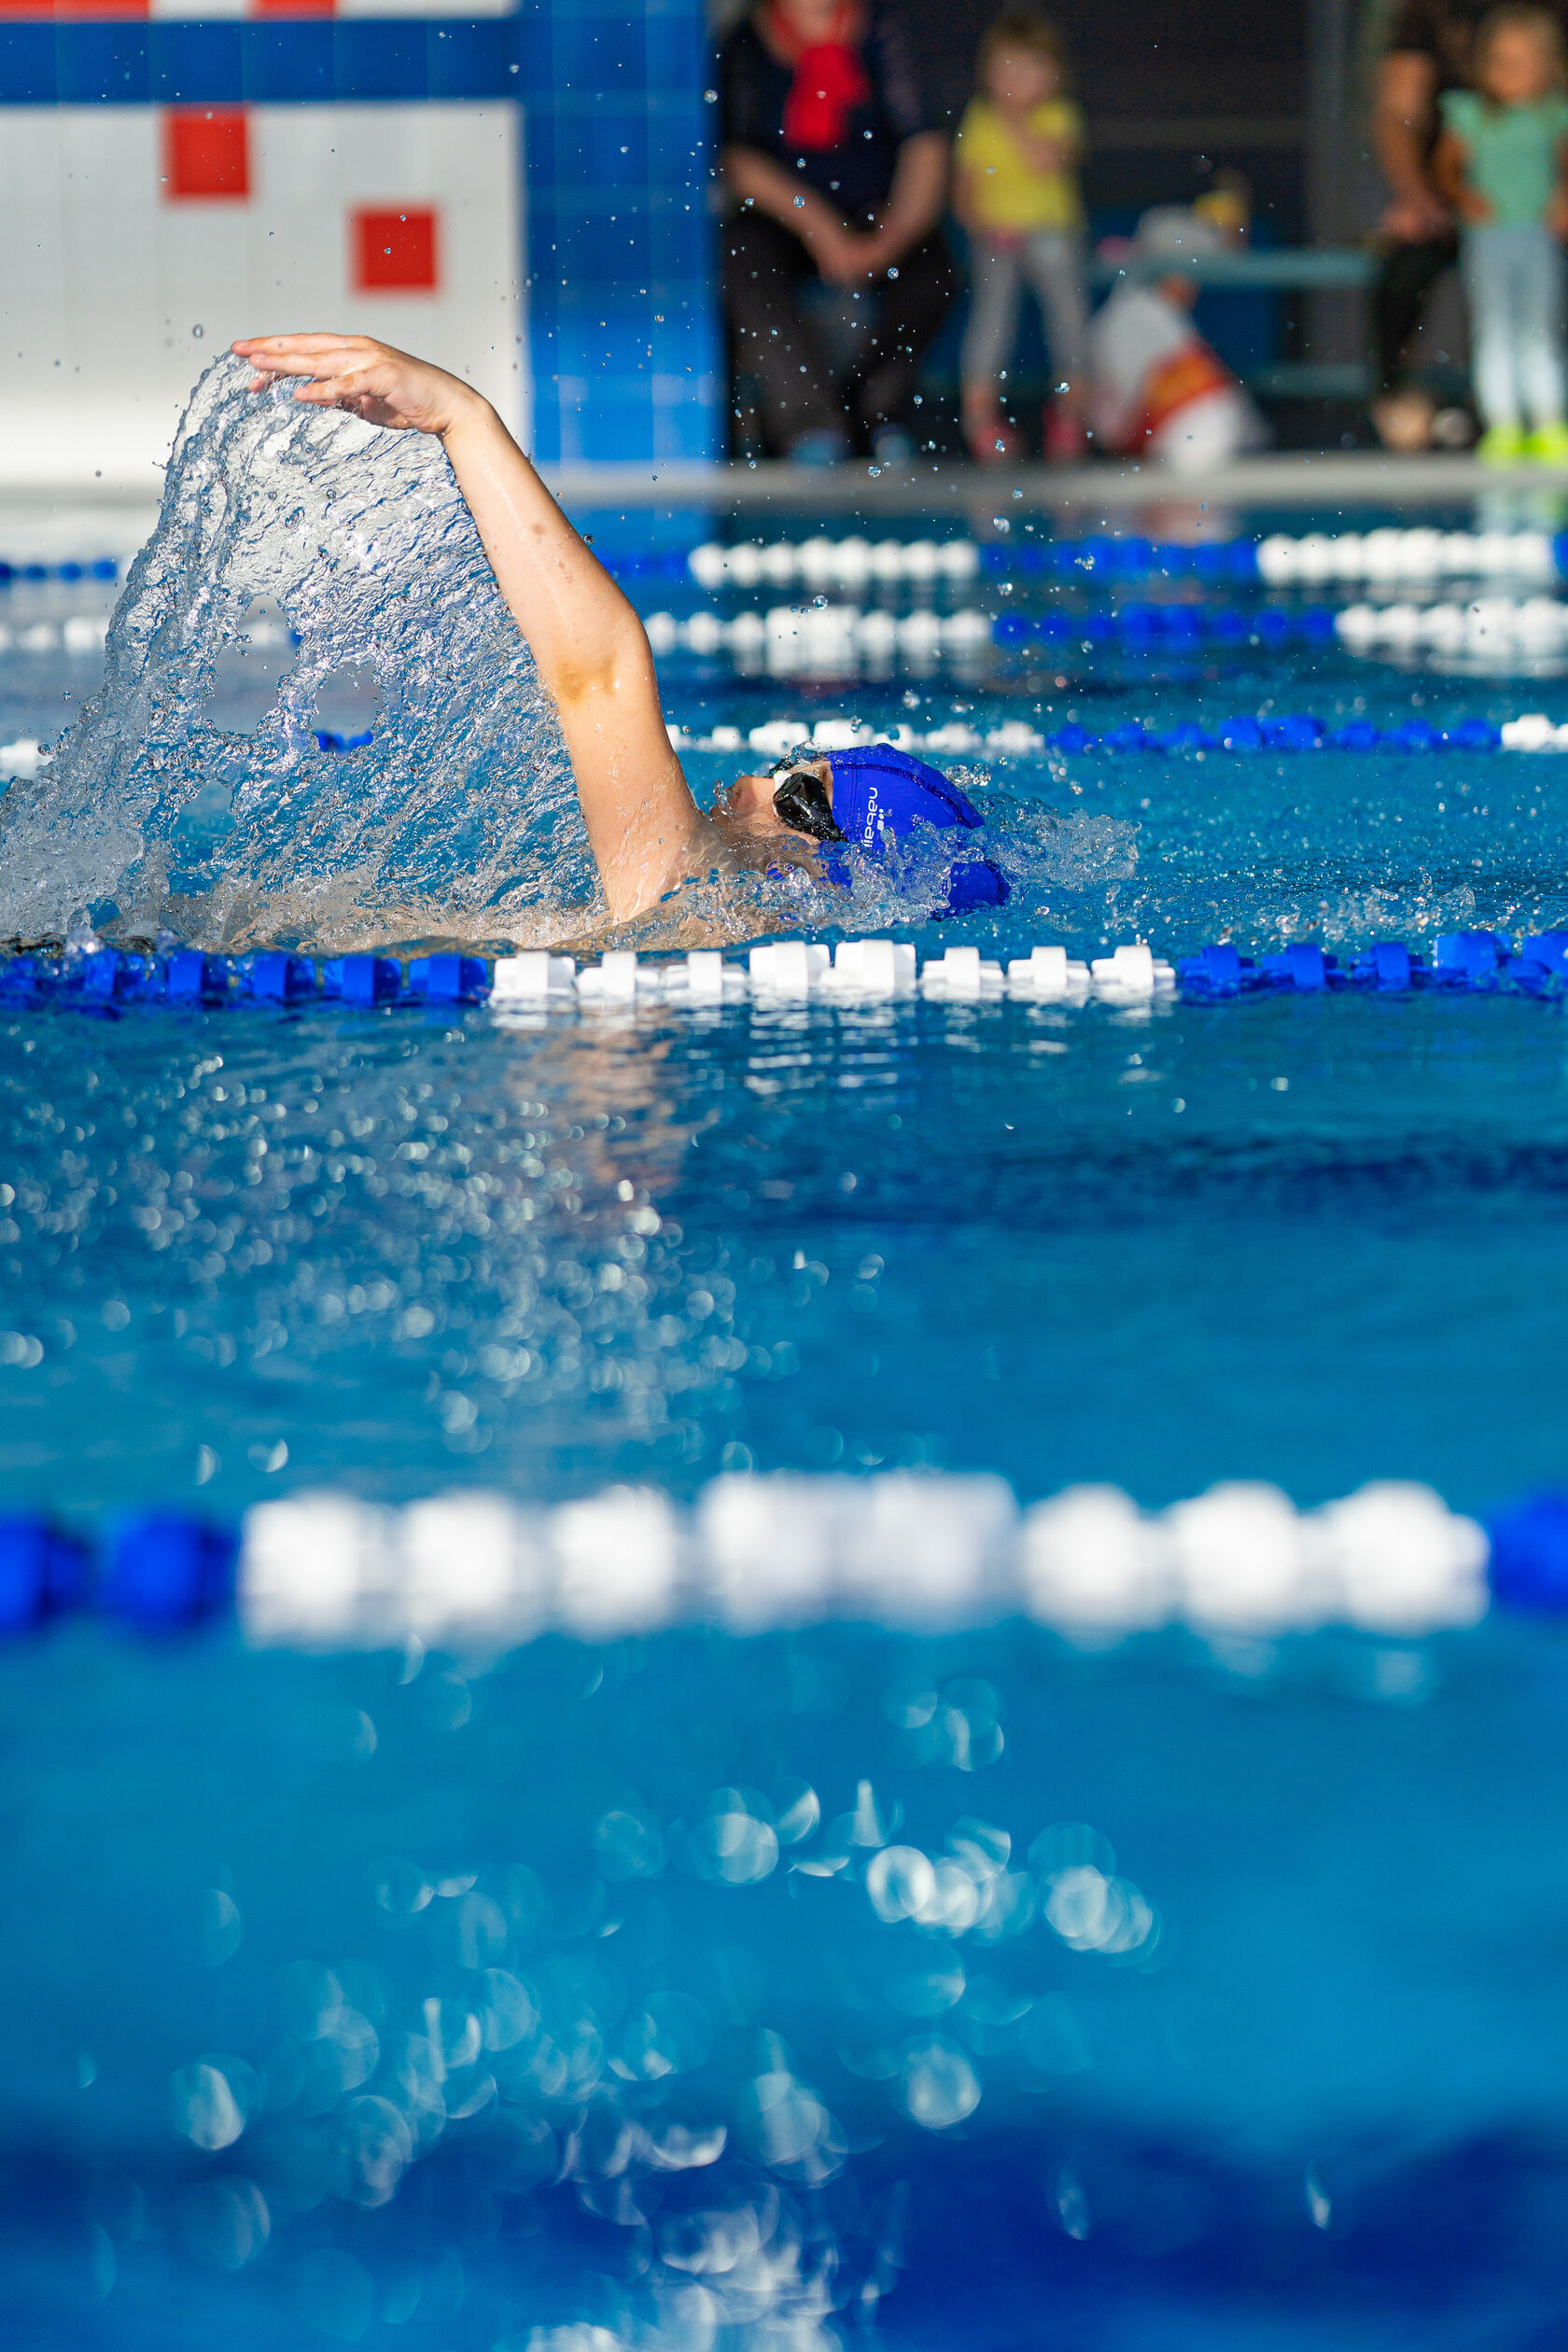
592, 649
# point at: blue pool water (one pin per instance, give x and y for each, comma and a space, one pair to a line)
577, 1999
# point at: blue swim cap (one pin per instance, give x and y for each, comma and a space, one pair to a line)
883, 789
880, 792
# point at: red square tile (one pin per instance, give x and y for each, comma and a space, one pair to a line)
206, 153
395, 251
293, 7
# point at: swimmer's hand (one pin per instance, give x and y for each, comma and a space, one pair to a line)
368, 379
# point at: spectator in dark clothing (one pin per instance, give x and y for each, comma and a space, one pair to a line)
838, 179
1428, 53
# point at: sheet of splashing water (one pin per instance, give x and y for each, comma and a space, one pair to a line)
460, 812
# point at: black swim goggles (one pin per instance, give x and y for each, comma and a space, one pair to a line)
800, 800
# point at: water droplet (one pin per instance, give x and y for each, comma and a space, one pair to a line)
1318, 2204
1073, 2205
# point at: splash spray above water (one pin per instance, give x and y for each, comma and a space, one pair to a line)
352, 549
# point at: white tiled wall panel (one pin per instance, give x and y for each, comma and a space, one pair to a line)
105, 281
466, 8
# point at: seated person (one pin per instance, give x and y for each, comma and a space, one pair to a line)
837, 179
1160, 391
646, 831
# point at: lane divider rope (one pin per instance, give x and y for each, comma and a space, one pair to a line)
109, 981
1015, 738
1300, 731
819, 633
816, 637
1282, 559
481, 1570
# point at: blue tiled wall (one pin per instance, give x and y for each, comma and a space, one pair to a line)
624, 316
626, 356
168, 61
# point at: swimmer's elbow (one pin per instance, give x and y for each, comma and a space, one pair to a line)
575, 684
619, 659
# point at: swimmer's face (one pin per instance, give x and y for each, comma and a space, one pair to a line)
748, 801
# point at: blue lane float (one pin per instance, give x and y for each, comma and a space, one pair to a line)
1387, 555
1529, 1566
107, 980
1170, 627
448, 980
101, 567
1102, 558
165, 1571
362, 980
1461, 962
1300, 731
44, 1573
155, 1572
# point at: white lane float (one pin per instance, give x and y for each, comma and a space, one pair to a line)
1487, 626
481, 1571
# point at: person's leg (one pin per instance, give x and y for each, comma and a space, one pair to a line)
987, 349
1055, 262
764, 268
1489, 285
1399, 297
1538, 331
912, 307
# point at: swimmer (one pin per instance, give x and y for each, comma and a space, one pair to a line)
647, 833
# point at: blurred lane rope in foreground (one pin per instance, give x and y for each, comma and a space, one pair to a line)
907, 1551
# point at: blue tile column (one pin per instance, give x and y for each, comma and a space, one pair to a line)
622, 304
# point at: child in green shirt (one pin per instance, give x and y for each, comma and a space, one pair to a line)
1502, 162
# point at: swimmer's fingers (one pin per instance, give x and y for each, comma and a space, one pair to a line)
321, 357
317, 366
385, 386
299, 355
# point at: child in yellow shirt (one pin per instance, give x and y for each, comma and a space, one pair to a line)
1019, 148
